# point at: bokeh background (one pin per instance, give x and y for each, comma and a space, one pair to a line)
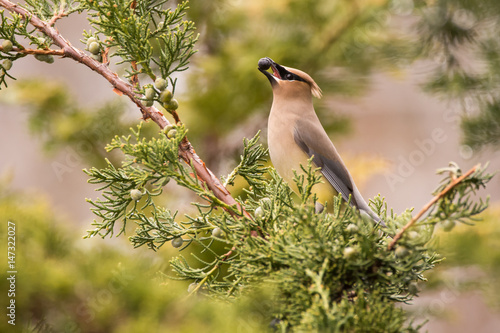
408, 87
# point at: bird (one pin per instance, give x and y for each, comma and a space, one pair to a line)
295, 135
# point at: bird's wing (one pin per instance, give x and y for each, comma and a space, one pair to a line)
313, 140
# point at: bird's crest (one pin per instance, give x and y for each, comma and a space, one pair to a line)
315, 89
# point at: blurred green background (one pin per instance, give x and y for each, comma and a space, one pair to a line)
393, 73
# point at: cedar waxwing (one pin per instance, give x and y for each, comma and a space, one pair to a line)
295, 134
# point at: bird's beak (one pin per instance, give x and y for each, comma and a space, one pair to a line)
274, 67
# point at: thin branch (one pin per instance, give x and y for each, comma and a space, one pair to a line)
453, 183
134, 80
78, 55
216, 266
186, 151
38, 51
202, 282
233, 287
105, 57
58, 15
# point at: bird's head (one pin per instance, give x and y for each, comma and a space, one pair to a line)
288, 81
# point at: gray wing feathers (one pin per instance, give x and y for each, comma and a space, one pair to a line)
333, 169
329, 169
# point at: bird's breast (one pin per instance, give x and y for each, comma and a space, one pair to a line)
285, 155
288, 157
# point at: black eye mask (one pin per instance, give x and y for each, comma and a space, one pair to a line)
278, 71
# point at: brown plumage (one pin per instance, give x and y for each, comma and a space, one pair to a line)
295, 134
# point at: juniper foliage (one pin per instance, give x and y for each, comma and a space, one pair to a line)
330, 272
461, 37
327, 271
150, 38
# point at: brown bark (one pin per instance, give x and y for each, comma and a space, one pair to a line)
186, 150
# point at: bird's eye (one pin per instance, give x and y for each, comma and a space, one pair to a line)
289, 76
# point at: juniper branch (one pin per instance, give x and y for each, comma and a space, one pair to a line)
121, 87
430, 204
